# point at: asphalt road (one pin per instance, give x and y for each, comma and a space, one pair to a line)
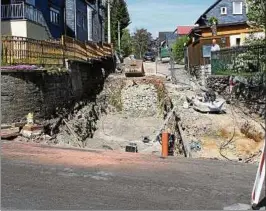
30, 183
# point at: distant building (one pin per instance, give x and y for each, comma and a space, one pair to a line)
183, 30
231, 30
168, 38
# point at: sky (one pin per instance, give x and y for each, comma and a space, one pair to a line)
165, 15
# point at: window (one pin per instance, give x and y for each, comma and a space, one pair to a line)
237, 8
54, 16
223, 10
238, 40
90, 22
81, 20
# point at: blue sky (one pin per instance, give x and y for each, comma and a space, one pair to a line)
164, 15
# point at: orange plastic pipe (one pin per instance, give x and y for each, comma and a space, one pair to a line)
165, 144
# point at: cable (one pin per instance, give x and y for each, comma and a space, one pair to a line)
230, 140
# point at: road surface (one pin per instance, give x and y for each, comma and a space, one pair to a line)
42, 177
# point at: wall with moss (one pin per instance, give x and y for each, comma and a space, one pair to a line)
43, 92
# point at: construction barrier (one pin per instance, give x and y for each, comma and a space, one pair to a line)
260, 178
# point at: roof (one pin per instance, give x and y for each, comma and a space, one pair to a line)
184, 30
211, 7
167, 36
223, 25
170, 36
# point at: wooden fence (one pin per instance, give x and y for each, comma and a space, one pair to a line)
21, 50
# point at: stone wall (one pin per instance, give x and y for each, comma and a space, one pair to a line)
219, 84
251, 98
43, 93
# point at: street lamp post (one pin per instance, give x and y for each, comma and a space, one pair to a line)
109, 21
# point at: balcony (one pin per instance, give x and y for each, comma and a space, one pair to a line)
23, 11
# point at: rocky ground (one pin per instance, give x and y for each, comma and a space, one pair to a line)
233, 135
133, 111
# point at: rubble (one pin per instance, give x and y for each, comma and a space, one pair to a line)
140, 100
9, 132
146, 140
31, 131
205, 102
186, 105
195, 125
209, 107
139, 109
195, 146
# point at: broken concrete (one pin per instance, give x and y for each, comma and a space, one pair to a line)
31, 131
8, 132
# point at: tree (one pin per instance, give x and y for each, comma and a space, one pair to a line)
257, 13
126, 43
213, 21
119, 13
141, 41
178, 48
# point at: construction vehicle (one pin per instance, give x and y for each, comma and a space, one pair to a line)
133, 67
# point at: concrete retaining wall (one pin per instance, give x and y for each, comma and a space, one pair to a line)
43, 93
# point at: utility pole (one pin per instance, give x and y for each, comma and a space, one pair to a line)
119, 37
109, 21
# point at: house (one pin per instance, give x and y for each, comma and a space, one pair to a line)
85, 19
183, 30
46, 19
230, 30
168, 37
33, 18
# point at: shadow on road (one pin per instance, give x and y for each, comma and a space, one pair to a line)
261, 204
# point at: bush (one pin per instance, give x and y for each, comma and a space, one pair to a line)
178, 49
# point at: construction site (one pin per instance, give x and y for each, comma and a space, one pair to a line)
140, 101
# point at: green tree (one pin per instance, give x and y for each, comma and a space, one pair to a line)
257, 13
141, 41
178, 48
119, 13
126, 43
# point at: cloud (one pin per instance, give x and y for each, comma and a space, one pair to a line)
164, 15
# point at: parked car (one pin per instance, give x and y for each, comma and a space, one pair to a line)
149, 56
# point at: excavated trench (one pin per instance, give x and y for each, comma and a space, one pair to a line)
127, 111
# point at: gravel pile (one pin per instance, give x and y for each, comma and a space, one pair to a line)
140, 100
